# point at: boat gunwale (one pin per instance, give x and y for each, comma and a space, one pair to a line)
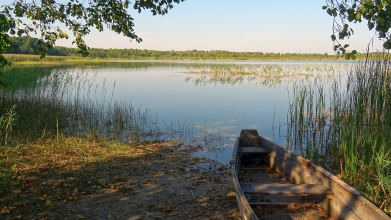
302, 163
361, 200
244, 207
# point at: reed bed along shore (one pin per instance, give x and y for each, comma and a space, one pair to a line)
44, 112
266, 74
35, 59
66, 102
347, 129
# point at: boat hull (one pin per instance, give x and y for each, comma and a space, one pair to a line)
346, 202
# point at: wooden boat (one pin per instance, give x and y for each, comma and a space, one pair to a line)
336, 198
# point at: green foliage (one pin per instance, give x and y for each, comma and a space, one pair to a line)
78, 16
6, 25
7, 121
26, 45
377, 13
346, 128
22, 76
29, 45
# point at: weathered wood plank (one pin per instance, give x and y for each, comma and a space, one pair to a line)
244, 208
255, 168
280, 203
341, 212
253, 150
285, 189
347, 203
249, 138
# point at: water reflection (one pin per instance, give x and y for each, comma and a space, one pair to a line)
269, 75
224, 97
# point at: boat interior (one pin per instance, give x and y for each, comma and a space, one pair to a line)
270, 194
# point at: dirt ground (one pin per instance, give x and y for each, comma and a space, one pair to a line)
153, 181
174, 186
129, 182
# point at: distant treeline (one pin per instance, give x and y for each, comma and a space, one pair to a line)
27, 45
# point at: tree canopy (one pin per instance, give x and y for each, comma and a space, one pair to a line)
377, 14
28, 45
78, 16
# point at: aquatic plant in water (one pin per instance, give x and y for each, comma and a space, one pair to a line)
347, 129
73, 104
265, 74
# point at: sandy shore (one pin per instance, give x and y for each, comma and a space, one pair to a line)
169, 185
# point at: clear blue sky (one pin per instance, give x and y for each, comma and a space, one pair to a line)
283, 26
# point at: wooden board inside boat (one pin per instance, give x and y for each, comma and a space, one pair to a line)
270, 198
272, 183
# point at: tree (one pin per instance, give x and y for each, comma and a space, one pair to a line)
377, 13
76, 15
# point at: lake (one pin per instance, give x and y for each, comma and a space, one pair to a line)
208, 93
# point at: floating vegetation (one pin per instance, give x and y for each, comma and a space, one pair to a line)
266, 74
347, 130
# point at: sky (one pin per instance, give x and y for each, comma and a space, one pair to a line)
283, 26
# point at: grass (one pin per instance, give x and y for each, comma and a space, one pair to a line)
42, 176
267, 74
21, 76
35, 59
28, 59
55, 120
66, 102
347, 130
58, 120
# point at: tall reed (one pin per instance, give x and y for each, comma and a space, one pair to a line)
72, 104
348, 129
265, 74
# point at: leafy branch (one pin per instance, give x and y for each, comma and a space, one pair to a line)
377, 13
77, 15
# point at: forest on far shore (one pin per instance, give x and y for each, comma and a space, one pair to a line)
28, 45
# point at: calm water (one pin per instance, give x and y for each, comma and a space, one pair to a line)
177, 92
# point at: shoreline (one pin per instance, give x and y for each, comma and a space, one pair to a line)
73, 59
144, 181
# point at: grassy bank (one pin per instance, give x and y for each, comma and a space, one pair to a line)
69, 102
54, 122
34, 59
347, 130
48, 172
86, 177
